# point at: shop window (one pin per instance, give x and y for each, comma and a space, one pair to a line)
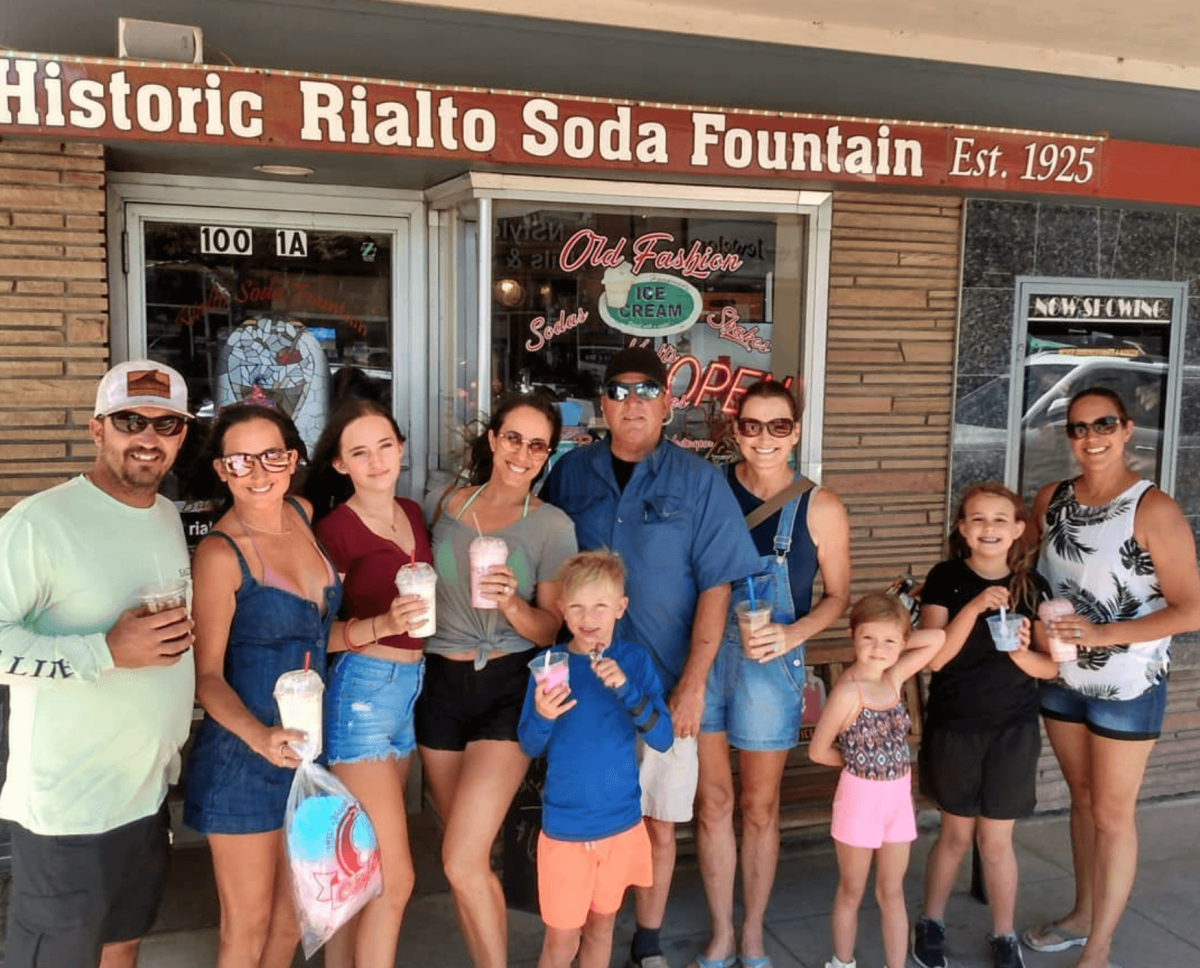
713, 296
1074, 334
725, 297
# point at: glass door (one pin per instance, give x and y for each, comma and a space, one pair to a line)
296, 310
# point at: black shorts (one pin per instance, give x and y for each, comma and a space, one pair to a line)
992, 773
460, 705
73, 895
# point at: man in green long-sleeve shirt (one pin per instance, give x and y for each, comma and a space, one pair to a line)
100, 695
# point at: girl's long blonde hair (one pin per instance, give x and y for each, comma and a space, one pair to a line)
1022, 554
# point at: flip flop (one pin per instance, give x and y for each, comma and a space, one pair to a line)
701, 962
1052, 937
748, 962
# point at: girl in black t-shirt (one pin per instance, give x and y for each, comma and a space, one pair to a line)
981, 741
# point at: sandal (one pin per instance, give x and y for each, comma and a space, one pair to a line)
748, 962
701, 962
1052, 937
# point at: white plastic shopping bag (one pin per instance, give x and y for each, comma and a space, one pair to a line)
332, 853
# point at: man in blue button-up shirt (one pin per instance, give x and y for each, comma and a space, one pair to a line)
682, 536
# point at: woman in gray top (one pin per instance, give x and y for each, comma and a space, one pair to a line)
476, 662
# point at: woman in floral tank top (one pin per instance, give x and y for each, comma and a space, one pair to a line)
1120, 551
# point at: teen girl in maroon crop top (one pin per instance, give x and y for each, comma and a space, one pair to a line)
369, 533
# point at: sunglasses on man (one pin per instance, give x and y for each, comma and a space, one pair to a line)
133, 423
779, 427
1104, 426
643, 390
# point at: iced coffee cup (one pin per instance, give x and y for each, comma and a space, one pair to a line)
420, 579
485, 552
550, 670
162, 596
300, 695
617, 282
750, 620
1005, 630
1060, 650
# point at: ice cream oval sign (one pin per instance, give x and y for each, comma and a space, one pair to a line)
648, 304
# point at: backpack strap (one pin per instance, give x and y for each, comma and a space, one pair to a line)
799, 486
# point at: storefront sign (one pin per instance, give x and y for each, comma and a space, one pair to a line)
543, 332
728, 326
651, 304
1100, 307
92, 98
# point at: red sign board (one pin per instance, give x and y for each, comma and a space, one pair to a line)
111, 100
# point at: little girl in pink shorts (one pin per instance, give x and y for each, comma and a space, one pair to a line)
864, 729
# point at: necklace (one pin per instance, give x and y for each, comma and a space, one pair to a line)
369, 520
249, 527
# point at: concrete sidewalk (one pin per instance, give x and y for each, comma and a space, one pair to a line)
1161, 928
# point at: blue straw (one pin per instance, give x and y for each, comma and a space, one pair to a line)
750, 589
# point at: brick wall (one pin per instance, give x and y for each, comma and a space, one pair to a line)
893, 307
53, 310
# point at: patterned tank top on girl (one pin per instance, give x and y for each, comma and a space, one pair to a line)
875, 745
1090, 556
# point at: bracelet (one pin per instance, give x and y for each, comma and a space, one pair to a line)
350, 646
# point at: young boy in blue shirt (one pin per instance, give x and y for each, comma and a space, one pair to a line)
593, 844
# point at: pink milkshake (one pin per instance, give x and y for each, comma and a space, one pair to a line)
485, 552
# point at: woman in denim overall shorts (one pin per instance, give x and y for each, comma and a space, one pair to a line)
753, 700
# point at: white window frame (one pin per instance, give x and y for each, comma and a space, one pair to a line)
484, 188
134, 199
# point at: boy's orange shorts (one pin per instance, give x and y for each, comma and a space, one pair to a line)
575, 878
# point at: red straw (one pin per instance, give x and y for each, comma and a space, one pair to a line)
307, 660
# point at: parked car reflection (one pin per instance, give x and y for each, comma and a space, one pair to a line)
1051, 379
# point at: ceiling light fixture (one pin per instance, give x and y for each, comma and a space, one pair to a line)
291, 171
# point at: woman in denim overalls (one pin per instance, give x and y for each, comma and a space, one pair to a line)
265, 598
753, 697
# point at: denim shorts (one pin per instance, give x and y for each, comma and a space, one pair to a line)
369, 711
756, 704
1131, 719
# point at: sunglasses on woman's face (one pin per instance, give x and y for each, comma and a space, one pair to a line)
273, 461
779, 427
643, 390
1104, 426
514, 442
132, 423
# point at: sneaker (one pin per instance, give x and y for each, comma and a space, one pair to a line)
1006, 951
929, 943
650, 961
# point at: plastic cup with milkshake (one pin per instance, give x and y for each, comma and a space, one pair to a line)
162, 596
420, 579
551, 670
754, 611
1060, 650
750, 619
300, 695
485, 552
